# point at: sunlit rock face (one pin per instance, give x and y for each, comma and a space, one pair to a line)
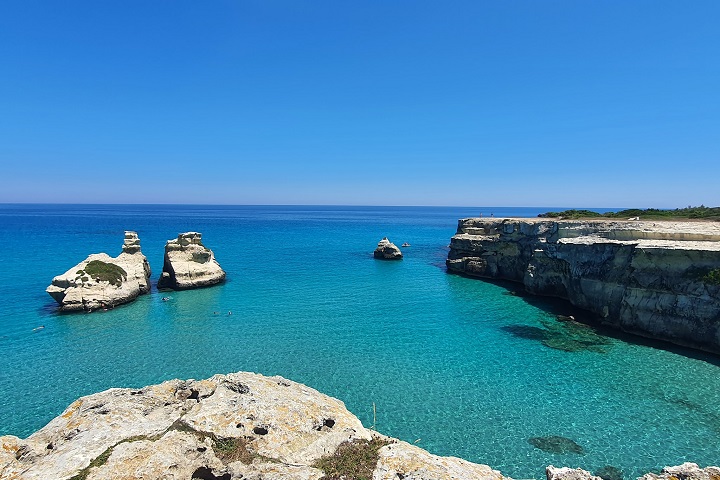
102, 281
189, 264
648, 278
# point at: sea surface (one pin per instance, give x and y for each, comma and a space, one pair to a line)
457, 366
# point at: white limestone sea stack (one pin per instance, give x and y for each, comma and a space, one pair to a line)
241, 425
189, 264
101, 281
386, 250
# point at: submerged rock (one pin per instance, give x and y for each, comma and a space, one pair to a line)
556, 444
189, 264
241, 425
608, 472
386, 250
562, 334
101, 281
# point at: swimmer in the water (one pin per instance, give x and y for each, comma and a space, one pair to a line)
38, 328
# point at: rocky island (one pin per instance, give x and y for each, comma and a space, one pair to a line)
236, 426
189, 264
101, 281
386, 250
656, 279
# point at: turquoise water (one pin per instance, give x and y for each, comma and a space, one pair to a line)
454, 364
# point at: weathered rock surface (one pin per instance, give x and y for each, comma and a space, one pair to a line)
386, 250
241, 425
686, 471
101, 281
642, 277
189, 264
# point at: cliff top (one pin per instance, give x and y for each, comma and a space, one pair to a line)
672, 234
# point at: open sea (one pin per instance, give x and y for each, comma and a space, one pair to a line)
457, 366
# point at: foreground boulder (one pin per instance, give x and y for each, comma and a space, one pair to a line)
241, 425
686, 471
386, 250
101, 281
189, 264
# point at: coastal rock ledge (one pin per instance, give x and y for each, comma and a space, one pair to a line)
241, 425
236, 426
189, 264
101, 281
656, 279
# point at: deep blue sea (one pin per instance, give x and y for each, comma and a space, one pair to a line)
455, 365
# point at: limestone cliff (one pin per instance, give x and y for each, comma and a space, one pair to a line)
241, 425
189, 264
648, 278
101, 281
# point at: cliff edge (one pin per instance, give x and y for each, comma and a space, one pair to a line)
656, 279
241, 425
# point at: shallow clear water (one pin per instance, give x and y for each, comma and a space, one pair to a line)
456, 365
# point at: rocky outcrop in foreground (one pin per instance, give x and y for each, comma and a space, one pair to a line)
237, 426
386, 250
686, 471
101, 281
657, 279
241, 425
189, 264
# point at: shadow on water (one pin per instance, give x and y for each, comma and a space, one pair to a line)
563, 308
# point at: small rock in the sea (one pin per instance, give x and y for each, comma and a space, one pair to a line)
386, 250
556, 444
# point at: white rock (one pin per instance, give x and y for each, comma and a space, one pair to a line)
80, 288
189, 264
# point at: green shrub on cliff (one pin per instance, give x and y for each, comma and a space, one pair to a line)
353, 460
105, 272
712, 277
702, 213
570, 214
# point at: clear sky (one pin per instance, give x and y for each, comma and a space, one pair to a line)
584, 103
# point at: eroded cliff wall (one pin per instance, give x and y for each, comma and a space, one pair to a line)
648, 278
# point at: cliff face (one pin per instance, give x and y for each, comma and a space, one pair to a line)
102, 281
189, 264
642, 277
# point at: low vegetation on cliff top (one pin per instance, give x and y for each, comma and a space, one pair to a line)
701, 213
355, 460
104, 272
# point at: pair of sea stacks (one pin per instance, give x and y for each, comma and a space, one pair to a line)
102, 281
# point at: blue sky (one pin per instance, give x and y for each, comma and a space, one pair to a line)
516, 103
